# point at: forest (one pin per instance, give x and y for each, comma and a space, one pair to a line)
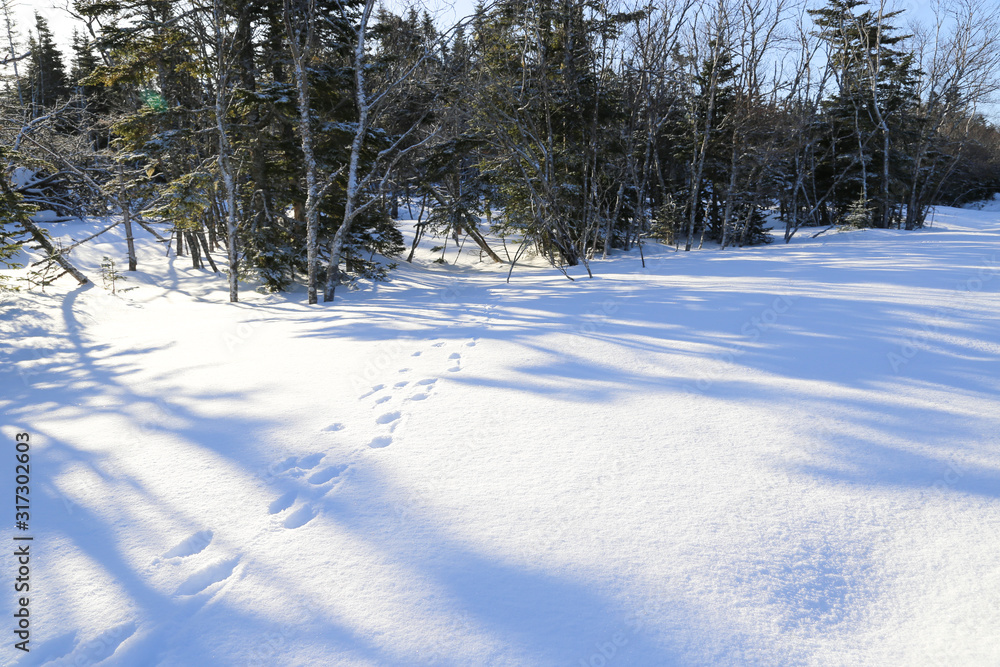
285, 135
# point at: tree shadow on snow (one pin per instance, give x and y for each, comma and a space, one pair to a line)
538, 615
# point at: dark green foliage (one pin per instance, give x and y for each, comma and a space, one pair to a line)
14, 212
46, 73
377, 234
874, 105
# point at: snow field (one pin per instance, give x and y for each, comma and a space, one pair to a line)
777, 455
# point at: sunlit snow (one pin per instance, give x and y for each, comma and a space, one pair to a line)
779, 455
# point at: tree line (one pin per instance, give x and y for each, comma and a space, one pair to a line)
286, 133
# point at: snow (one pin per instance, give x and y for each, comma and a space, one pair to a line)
774, 455
20, 177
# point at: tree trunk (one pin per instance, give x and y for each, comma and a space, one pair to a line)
54, 254
351, 194
730, 195
225, 152
204, 246
195, 250
127, 219
300, 39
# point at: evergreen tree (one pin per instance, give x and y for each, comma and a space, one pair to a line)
539, 107
84, 64
872, 106
14, 213
46, 73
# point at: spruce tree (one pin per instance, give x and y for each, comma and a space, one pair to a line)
14, 213
870, 109
46, 73
83, 65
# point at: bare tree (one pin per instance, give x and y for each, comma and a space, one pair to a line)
300, 24
717, 34
370, 104
223, 67
959, 54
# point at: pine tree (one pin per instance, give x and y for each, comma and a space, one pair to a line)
14, 214
84, 64
46, 73
873, 103
538, 106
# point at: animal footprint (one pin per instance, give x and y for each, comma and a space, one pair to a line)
471, 343
398, 385
415, 354
377, 388
311, 461
285, 465
419, 397
437, 344
454, 355
282, 503
388, 417
384, 399
325, 475
294, 466
403, 370
378, 442
299, 517
191, 546
88, 652
428, 381
335, 427
204, 578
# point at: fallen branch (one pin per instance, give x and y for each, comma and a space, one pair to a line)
54, 254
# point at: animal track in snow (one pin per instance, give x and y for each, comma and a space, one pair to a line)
300, 517
437, 344
281, 504
398, 385
471, 343
377, 388
57, 647
383, 400
285, 465
454, 355
415, 354
427, 381
389, 417
205, 577
325, 475
335, 427
295, 466
403, 370
311, 461
419, 397
89, 652
380, 441
191, 546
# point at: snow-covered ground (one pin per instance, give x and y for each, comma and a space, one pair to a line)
781, 455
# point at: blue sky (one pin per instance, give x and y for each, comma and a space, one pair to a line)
445, 11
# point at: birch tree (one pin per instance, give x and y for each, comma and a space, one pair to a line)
374, 175
300, 22
221, 73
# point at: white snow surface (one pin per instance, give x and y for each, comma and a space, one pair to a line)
780, 455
